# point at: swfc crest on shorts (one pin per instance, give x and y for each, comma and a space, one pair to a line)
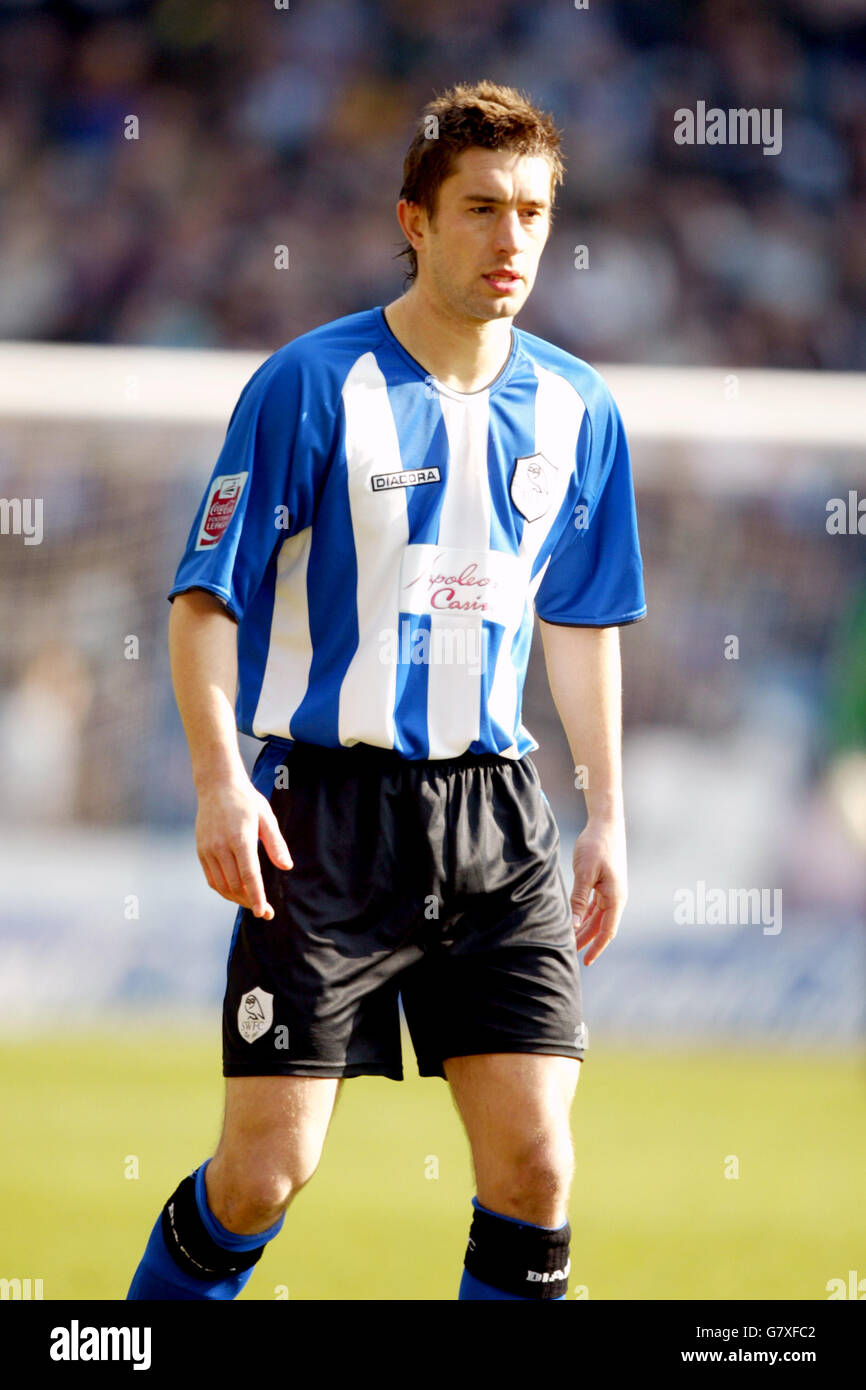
256, 1014
531, 485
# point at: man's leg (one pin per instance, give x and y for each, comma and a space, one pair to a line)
516, 1109
214, 1228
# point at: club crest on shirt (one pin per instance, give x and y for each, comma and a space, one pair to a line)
223, 497
530, 485
256, 1014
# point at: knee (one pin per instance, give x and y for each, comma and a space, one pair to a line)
247, 1196
532, 1183
268, 1194
543, 1174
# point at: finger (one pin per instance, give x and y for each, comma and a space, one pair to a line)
252, 886
215, 877
587, 933
208, 875
604, 936
272, 838
581, 900
595, 951
586, 927
231, 876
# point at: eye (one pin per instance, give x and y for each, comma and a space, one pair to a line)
485, 208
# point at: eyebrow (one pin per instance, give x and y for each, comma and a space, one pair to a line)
486, 198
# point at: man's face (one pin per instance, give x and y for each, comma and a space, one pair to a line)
492, 215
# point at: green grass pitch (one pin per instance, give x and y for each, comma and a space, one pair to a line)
653, 1214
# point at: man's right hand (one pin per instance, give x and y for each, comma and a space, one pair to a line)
231, 820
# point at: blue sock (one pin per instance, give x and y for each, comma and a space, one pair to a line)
475, 1289
159, 1277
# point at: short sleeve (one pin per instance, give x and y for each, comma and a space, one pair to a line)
260, 491
595, 574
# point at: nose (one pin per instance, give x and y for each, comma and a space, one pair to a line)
509, 233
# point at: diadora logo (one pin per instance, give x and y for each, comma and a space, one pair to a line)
533, 1276
409, 477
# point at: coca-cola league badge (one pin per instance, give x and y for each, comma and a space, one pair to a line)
224, 494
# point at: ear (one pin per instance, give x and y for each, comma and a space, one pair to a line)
413, 222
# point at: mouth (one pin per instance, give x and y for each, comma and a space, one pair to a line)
503, 281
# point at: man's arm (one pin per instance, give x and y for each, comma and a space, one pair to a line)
232, 815
584, 673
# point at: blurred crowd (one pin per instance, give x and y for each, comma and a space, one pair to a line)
263, 125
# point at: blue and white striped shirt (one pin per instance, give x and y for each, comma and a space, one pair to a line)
382, 539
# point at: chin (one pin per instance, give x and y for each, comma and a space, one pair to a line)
499, 308
509, 308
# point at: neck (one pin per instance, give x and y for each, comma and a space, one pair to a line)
463, 353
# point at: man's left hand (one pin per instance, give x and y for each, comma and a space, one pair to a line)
600, 886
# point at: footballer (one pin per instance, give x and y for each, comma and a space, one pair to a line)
399, 493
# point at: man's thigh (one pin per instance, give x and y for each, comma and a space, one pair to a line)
516, 1109
277, 1120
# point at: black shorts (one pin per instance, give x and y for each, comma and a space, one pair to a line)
434, 882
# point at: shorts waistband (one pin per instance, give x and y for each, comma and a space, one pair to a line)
372, 755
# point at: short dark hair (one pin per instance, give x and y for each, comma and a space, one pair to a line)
482, 115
